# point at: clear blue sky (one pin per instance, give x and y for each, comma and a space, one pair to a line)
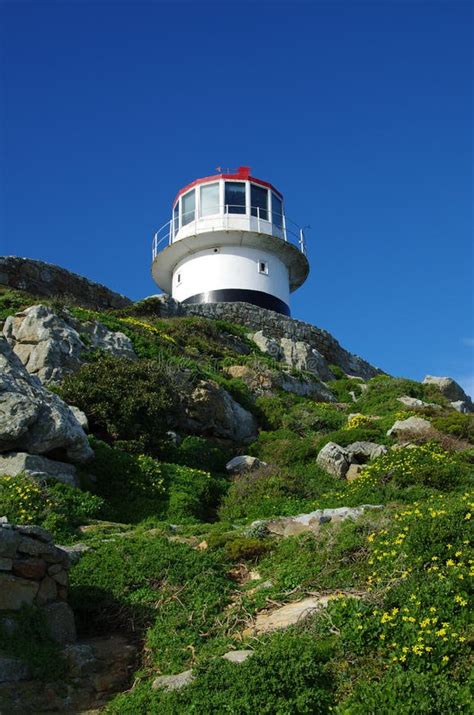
361, 113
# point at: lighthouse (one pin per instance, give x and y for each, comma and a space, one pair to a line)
229, 240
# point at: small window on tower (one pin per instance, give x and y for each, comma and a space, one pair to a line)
263, 267
178, 278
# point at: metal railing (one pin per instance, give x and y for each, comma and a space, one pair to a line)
227, 218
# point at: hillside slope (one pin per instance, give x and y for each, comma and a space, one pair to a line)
285, 533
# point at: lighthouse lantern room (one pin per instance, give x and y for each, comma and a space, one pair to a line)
229, 240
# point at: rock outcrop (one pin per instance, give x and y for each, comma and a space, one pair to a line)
261, 380
51, 346
271, 328
32, 419
294, 525
44, 279
453, 392
210, 410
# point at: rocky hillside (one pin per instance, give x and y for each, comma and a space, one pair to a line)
224, 512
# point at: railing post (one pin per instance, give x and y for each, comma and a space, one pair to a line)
283, 217
302, 244
258, 218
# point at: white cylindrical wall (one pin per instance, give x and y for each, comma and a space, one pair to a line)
230, 267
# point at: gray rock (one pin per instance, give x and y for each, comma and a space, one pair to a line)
303, 356
16, 592
237, 656
413, 427
59, 619
48, 591
32, 419
5, 564
51, 346
173, 682
353, 472
414, 402
267, 345
449, 388
361, 452
244, 463
75, 552
209, 409
334, 459
12, 670
81, 417
36, 532
294, 525
14, 463
463, 406
9, 541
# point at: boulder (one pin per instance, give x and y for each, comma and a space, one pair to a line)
173, 682
32, 419
450, 389
209, 409
81, 417
59, 619
13, 463
411, 428
334, 460
362, 452
51, 346
244, 463
75, 552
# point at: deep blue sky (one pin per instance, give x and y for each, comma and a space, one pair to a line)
361, 113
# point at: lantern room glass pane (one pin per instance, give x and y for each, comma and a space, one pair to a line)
235, 197
176, 218
277, 211
209, 199
259, 201
188, 203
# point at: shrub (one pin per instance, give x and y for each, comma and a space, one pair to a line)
426, 464
193, 493
344, 437
456, 425
197, 451
145, 582
344, 386
284, 447
245, 548
12, 301
136, 487
382, 393
55, 506
126, 400
287, 675
260, 494
133, 486
298, 414
407, 693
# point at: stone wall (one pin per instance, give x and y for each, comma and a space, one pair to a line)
273, 325
45, 279
34, 572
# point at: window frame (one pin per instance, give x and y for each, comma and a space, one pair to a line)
183, 213
218, 205
267, 209
260, 263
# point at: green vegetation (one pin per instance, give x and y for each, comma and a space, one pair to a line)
177, 563
55, 506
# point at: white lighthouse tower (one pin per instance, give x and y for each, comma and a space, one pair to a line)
229, 240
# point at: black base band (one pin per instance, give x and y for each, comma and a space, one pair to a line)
239, 295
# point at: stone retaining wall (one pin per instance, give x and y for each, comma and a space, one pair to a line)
45, 279
34, 572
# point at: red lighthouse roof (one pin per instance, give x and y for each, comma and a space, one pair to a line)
240, 174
